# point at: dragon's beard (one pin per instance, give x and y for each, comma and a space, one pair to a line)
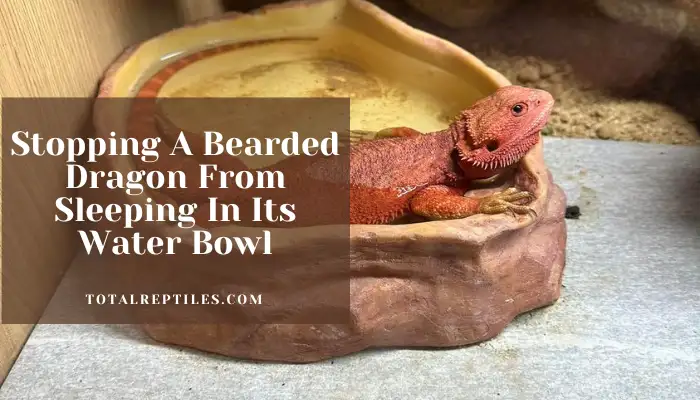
505, 156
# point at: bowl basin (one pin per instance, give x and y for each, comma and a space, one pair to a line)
440, 283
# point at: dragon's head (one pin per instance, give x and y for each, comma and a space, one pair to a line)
499, 129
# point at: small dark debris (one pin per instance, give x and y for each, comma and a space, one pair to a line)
283, 384
572, 212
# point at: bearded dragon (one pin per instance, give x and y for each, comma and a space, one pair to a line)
428, 174
402, 172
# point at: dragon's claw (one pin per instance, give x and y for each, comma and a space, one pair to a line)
508, 201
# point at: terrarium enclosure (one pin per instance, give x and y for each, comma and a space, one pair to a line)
619, 69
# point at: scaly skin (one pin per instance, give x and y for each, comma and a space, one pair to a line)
401, 173
405, 171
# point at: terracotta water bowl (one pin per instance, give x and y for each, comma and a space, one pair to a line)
436, 284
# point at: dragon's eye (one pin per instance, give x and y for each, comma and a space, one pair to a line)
518, 109
492, 145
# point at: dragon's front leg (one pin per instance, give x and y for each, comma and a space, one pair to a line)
441, 202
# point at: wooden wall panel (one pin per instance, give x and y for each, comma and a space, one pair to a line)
58, 48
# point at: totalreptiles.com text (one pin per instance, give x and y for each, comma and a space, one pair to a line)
175, 298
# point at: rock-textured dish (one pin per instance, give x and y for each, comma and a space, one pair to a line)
442, 283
